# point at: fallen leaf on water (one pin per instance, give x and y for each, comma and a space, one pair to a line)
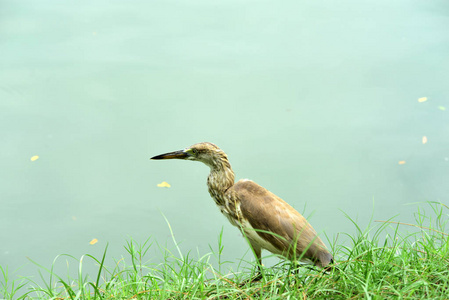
93, 242
401, 162
35, 157
422, 99
424, 139
164, 184
441, 108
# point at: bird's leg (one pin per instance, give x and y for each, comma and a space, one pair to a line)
258, 254
258, 274
258, 271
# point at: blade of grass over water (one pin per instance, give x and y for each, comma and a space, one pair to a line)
10, 287
386, 260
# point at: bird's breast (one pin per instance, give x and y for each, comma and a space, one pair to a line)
230, 209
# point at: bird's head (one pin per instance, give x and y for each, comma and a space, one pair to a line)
207, 153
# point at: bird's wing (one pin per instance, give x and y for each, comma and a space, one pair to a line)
266, 212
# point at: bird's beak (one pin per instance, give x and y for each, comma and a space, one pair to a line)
181, 154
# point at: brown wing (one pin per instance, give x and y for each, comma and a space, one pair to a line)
267, 212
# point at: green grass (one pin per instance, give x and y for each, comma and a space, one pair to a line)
387, 260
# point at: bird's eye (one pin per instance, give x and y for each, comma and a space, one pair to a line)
195, 151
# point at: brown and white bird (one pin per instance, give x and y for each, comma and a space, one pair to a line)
267, 221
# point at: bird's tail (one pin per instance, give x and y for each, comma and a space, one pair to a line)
330, 266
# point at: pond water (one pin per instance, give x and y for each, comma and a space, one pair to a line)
316, 101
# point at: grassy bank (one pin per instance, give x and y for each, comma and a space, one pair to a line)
387, 260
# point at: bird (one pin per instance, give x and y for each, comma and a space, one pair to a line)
267, 221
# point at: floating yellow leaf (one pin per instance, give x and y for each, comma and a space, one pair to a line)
424, 139
35, 157
441, 108
93, 242
401, 162
164, 184
422, 99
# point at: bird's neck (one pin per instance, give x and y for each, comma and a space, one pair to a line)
220, 179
